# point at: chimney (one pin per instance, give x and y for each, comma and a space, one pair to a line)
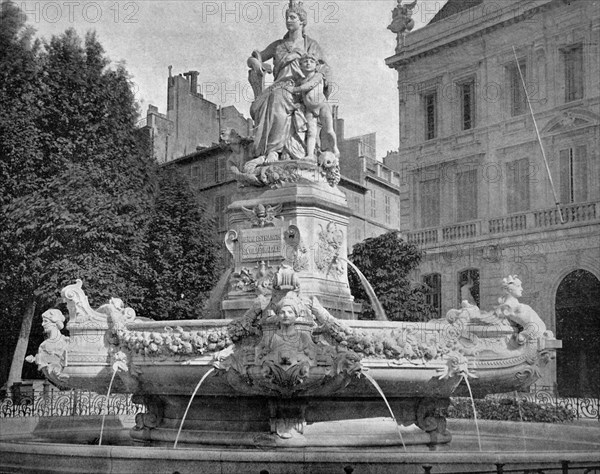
338, 123
339, 129
193, 81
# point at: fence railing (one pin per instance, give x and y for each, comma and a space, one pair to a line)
582, 408
67, 403
563, 467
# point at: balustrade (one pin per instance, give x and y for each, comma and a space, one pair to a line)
571, 213
508, 224
460, 231
424, 237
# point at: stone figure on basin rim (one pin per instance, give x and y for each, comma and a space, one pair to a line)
50, 358
519, 313
508, 311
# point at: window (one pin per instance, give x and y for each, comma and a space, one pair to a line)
221, 169
430, 102
357, 234
467, 104
468, 286
220, 208
517, 186
573, 64
373, 204
518, 99
195, 172
210, 171
430, 202
433, 292
466, 195
388, 209
356, 204
573, 175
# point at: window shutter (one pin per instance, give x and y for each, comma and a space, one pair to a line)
523, 184
565, 176
581, 174
511, 186
466, 197
430, 202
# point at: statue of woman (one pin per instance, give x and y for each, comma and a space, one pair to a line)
519, 313
277, 113
289, 346
52, 352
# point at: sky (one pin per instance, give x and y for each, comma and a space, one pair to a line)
216, 37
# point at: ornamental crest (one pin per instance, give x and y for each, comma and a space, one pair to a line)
329, 247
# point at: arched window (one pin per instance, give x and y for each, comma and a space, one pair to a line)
468, 286
433, 292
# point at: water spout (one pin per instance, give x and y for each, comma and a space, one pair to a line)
375, 303
378, 388
112, 379
190, 404
466, 379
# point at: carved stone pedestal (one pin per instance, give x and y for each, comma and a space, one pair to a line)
301, 225
258, 421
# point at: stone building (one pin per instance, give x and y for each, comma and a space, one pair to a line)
475, 192
189, 136
372, 191
191, 121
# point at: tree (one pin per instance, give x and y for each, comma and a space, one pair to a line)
78, 198
181, 260
19, 151
386, 261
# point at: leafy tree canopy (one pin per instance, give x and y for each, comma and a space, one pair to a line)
95, 186
76, 181
386, 261
181, 260
80, 195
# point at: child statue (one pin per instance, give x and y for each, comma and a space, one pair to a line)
315, 101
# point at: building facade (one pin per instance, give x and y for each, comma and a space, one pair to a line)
190, 136
191, 122
373, 194
475, 191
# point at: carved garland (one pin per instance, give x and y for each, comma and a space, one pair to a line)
173, 341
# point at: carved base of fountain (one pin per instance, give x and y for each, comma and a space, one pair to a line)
372, 432
261, 421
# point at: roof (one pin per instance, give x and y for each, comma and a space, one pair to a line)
454, 6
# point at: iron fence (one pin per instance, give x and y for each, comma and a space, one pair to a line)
52, 402
583, 408
564, 467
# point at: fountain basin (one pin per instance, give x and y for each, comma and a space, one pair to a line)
39, 445
261, 382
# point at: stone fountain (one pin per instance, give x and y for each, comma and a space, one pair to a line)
289, 365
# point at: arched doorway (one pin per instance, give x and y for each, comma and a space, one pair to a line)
578, 326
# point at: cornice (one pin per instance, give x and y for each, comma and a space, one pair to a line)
445, 34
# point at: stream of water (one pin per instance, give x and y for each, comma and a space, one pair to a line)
474, 411
190, 404
105, 411
375, 303
378, 388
